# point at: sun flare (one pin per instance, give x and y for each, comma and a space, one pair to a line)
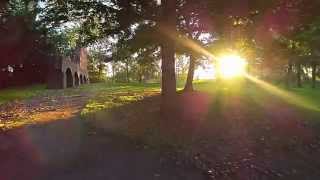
231, 66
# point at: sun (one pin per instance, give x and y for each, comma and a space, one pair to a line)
231, 66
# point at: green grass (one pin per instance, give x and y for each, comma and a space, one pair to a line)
114, 95
20, 93
134, 91
253, 98
312, 95
307, 96
312, 98
239, 116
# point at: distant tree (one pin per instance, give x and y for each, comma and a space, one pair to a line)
147, 64
311, 37
97, 66
193, 25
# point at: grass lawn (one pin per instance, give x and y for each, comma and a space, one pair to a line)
19, 93
248, 100
229, 129
308, 93
105, 90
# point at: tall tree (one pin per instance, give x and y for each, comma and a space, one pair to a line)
106, 18
193, 23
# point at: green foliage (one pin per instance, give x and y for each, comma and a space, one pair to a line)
97, 66
21, 7
71, 24
64, 42
141, 26
311, 35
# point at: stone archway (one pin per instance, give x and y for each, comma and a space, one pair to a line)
81, 79
69, 78
76, 79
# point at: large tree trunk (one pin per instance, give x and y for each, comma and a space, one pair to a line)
168, 86
168, 25
299, 84
189, 83
314, 74
168, 71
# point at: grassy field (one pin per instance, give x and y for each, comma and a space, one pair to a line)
218, 100
243, 127
20, 93
271, 129
308, 94
311, 94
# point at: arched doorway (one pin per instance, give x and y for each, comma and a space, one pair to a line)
76, 79
81, 79
69, 78
85, 80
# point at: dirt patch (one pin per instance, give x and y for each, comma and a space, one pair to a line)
41, 109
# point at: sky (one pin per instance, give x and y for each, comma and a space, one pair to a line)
205, 73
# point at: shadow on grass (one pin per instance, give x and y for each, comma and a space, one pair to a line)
19, 93
106, 144
228, 126
137, 115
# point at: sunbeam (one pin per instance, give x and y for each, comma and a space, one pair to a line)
285, 95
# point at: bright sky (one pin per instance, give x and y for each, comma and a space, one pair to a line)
205, 73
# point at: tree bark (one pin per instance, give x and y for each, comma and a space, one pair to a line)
127, 73
299, 84
168, 86
168, 89
113, 73
314, 74
168, 71
140, 77
289, 74
189, 83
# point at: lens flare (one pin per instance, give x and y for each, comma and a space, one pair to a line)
289, 97
231, 66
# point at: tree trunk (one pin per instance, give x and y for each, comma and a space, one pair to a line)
168, 71
113, 73
189, 85
127, 73
299, 84
314, 74
100, 70
140, 77
289, 74
168, 86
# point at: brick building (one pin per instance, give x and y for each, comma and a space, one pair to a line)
70, 71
